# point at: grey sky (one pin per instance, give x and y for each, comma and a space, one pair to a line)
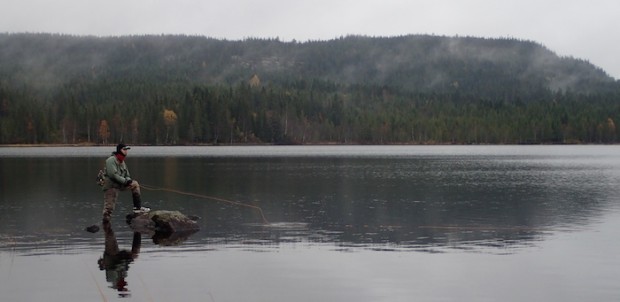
587, 30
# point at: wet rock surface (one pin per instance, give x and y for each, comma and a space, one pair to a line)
162, 221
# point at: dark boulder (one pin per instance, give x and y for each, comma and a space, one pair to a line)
164, 227
93, 228
162, 221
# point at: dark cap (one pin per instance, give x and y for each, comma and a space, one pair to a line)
120, 147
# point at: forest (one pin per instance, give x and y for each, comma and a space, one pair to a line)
419, 89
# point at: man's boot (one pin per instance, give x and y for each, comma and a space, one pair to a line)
137, 204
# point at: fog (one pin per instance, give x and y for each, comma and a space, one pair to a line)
580, 29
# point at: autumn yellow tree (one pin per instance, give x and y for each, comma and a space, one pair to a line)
104, 131
170, 120
254, 81
610, 131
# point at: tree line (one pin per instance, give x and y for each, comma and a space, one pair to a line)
300, 112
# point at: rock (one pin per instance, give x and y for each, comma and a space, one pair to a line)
141, 223
173, 221
93, 228
165, 227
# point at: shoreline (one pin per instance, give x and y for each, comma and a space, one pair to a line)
314, 144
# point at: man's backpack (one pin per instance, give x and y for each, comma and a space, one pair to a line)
100, 178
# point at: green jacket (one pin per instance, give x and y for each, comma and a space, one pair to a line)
116, 173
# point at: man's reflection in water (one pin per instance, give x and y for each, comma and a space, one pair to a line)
115, 262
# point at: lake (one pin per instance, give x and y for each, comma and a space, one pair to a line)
341, 223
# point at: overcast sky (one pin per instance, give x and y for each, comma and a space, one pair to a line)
588, 30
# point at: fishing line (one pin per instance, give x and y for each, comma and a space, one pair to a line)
237, 203
103, 297
148, 293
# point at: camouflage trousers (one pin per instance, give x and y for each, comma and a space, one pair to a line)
110, 196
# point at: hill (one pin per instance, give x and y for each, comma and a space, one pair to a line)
420, 63
354, 89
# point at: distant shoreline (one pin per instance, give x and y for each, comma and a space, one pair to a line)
315, 144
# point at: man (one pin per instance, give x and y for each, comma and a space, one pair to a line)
117, 179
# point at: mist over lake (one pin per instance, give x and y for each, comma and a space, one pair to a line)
341, 223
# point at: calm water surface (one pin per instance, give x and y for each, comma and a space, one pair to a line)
344, 223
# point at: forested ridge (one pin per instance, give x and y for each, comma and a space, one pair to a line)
416, 89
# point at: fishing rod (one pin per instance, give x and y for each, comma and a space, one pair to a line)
237, 203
